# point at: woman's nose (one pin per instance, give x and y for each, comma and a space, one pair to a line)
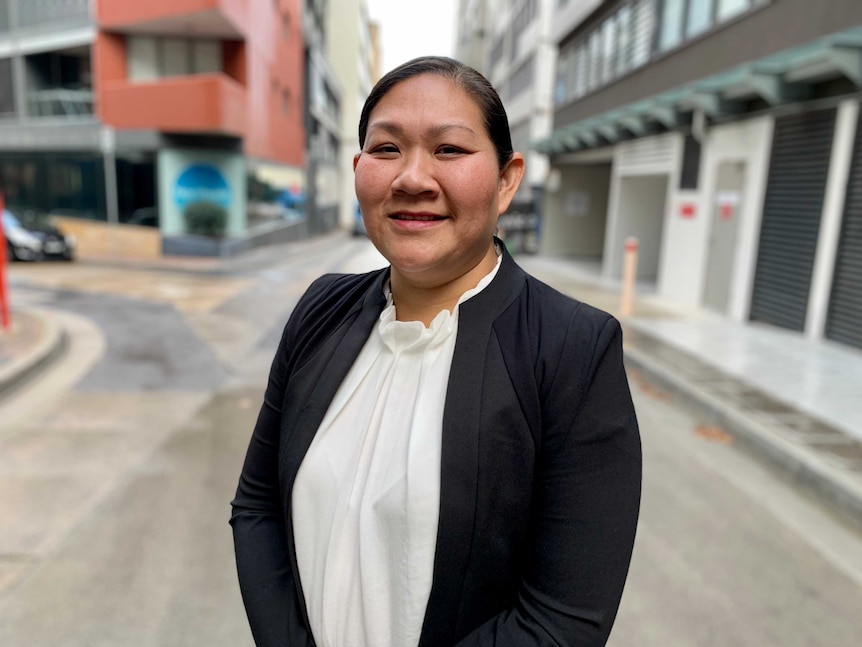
415, 176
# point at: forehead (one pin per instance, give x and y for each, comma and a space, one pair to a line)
428, 98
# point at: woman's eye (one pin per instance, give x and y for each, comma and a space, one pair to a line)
449, 150
384, 148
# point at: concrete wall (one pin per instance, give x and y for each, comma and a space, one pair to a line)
575, 214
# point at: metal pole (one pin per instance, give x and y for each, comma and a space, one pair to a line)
108, 142
630, 270
5, 319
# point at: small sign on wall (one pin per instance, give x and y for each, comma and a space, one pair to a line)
727, 202
688, 210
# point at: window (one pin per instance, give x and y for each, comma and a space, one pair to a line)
727, 9
690, 163
609, 38
152, 58
7, 98
670, 34
595, 61
624, 40
582, 70
642, 34
4, 16
175, 57
699, 17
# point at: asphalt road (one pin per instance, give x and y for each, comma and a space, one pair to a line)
113, 521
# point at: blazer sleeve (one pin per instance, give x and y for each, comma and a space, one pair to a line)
586, 500
260, 544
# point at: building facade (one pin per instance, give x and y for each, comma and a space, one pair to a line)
509, 42
354, 53
130, 112
724, 135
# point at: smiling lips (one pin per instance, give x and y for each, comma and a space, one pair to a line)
421, 217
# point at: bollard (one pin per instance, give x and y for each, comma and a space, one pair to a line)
630, 271
5, 320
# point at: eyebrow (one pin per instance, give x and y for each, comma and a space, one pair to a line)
434, 131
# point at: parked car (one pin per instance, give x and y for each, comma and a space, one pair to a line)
35, 241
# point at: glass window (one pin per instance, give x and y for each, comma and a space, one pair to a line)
4, 15
563, 89
609, 33
671, 24
699, 17
176, 58
206, 56
624, 40
595, 60
643, 30
727, 9
581, 70
143, 58
7, 98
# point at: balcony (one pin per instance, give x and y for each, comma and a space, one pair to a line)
225, 19
202, 103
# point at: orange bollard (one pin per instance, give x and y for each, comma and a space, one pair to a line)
5, 319
630, 271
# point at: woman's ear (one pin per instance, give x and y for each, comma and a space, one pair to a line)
510, 180
356, 160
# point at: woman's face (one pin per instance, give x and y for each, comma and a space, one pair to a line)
428, 182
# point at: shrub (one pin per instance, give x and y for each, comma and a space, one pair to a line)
206, 219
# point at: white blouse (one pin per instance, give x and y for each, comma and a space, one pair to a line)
365, 503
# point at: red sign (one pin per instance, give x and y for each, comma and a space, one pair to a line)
687, 210
726, 211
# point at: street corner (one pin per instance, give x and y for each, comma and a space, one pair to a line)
31, 340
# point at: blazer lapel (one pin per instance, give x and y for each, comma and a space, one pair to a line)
460, 452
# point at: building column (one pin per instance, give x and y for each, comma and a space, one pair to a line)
820, 292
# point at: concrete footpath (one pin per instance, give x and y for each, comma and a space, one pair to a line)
795, 402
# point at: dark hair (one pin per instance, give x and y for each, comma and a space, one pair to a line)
465, 77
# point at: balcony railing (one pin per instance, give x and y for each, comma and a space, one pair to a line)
60, 102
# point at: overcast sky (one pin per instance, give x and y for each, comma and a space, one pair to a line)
411, 28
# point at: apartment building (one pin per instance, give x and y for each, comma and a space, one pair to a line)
128, 112
509, 42
725, 136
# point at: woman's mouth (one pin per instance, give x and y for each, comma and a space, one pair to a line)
420, 217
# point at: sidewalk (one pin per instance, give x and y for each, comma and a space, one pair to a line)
795, 402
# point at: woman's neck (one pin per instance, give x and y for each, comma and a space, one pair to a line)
419, 302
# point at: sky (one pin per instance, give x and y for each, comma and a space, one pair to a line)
411, 28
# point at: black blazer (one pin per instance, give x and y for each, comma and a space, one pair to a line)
540, 476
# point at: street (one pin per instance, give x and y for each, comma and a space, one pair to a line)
118, 462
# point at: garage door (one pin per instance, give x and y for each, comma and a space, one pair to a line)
801, 150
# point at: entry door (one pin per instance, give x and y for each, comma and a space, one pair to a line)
726, 206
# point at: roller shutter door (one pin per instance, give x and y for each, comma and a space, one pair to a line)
801, 150
844, 323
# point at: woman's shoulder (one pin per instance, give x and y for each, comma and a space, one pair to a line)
332, 294
551, 304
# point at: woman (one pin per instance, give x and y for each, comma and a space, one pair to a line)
447, 453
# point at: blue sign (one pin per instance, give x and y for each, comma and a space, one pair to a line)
202, 183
